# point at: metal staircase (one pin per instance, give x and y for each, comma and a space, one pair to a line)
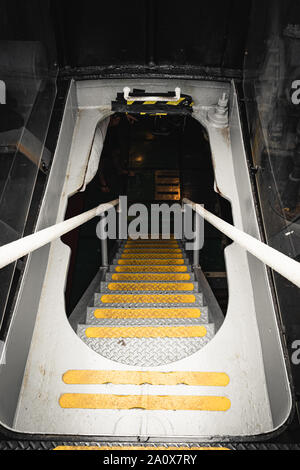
150, 310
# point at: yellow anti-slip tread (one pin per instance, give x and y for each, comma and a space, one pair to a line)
152, 246
147, 313
133, 377
151, 250
98, 401
151, 269
151, 255
133, 447
146, 331
159, 262
148, 298
151, 277
151, 286
153, 243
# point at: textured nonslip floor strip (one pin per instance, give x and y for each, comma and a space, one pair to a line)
147, 313
150, 251
151, 277
150, 269
151, 286
145, 331
123, 377
151, 255
148, 298
146, 402
160, 262
160, 248
145, 447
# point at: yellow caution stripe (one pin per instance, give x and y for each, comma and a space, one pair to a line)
151, 261
149, 236
153, 243
151, 250
133, 377
148, 298
151, 277
151, 269
147, 312
145, 447
147, 402
145, 331
151, 255
151, 286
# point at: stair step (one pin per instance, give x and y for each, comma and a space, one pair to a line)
146, 352
129, 300
182, 331
153, 255
150, 250
150, 277
142, 268
146, 316
149, 286
145, 249
160, 262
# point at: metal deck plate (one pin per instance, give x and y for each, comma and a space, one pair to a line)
146, 352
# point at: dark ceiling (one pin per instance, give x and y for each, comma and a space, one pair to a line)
208, 34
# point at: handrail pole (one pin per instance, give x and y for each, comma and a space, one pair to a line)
281, 263
23, 246
197, 227
104, 256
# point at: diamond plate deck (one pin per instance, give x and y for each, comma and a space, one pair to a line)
91, 319
146, 352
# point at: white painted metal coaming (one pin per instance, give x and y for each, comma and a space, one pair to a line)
237, 349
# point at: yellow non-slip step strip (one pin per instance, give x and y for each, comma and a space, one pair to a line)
158, 249
146, 447
133, 377
151, 286
151, 255
153, 243
147, 313
151, 250
145, 331
150, 269
146, 402
142, 261
151, 277
148, 298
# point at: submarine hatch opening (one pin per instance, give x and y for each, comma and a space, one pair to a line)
67, 386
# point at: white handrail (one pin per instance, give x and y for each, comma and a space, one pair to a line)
276, 260
21, 247
176, 97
